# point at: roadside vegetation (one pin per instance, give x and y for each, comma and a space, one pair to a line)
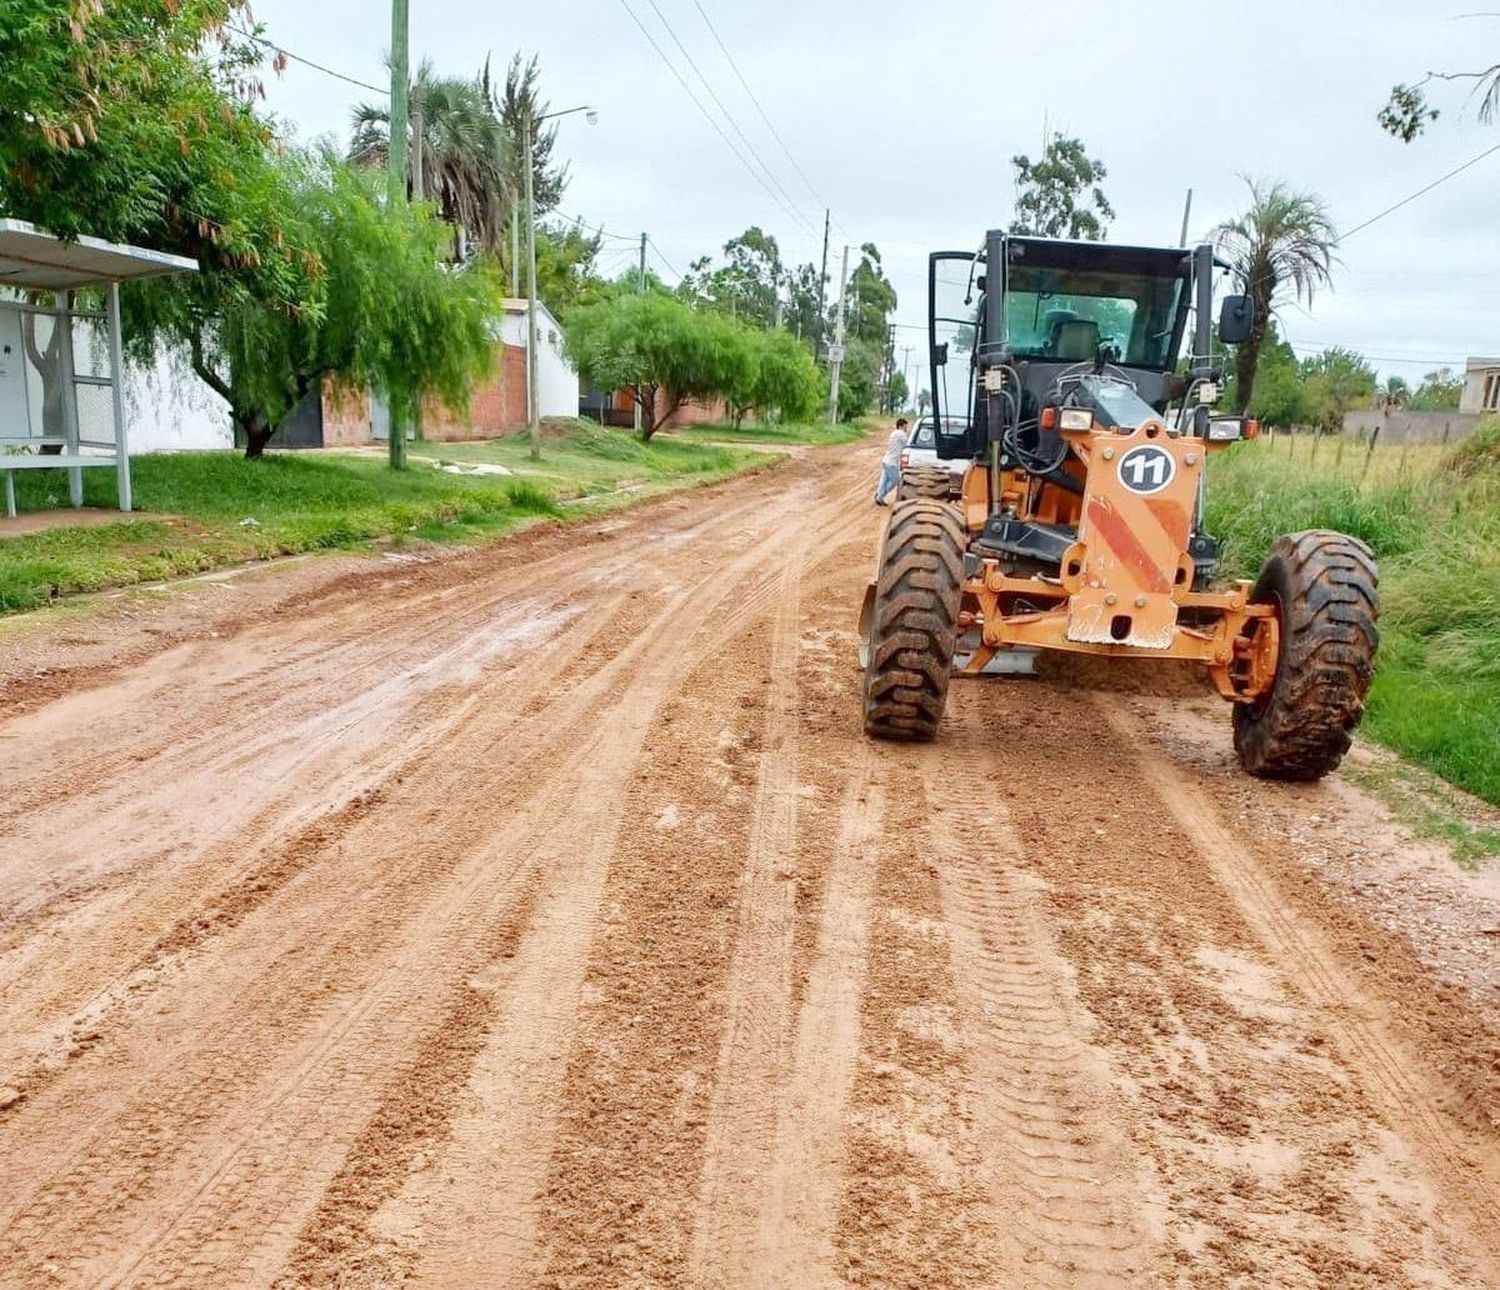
802, 434
205, 511
1432, 516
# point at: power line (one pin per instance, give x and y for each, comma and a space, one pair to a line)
745, 85
600, 230
307, 62
665, 262
1457, 170
698, 103
789, 204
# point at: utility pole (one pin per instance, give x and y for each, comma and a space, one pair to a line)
533, 408
640, 290
1187, 210
397, 177
906, 367
418, 186
515, 245
836, 350
822, 283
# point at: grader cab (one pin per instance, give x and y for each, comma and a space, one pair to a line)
1079, 526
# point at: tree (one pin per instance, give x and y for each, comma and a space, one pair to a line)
1286, 238
1060, 194
1440, 391
1407, 113
516, 103
871, 299
116, 122
1279, 398
748, 285
1395, 393
898, 393
465, 155
781, 379
661, 349
565, 274
373, 307
801, 314
1336, 381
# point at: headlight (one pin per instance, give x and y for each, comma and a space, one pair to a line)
1076, 419
1226, 429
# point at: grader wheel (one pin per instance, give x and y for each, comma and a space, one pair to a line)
909, 620
1323, 585
924, 481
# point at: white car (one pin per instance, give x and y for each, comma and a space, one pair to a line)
920, 455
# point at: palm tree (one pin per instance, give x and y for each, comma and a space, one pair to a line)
465, 155
1286, 238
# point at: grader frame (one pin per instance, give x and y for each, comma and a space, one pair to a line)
1079, 526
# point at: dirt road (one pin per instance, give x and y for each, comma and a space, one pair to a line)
542, 918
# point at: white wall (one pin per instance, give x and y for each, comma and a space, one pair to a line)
168, 408
556, 380
1475, 378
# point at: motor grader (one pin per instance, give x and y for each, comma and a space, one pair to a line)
1057, 374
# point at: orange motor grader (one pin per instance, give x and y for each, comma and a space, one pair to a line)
1079, 527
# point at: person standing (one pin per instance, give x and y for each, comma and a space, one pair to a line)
890, 464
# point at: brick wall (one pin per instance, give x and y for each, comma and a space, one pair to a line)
346, 418
497, 407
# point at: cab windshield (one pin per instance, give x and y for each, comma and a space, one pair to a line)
1066, 315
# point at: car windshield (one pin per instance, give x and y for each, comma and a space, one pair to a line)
1068, 315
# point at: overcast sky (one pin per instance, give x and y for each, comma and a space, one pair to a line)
903, 119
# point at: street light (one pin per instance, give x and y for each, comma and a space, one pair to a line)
533, 401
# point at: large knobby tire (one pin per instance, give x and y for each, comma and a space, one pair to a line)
1324, 587
910, 638
924, 481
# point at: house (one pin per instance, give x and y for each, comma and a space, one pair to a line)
1481, 386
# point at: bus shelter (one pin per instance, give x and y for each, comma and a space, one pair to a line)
61, 400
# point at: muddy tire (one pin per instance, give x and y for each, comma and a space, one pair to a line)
911, 620
924, 481
1325, 588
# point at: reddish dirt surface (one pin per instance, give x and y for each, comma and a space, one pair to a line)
541, 917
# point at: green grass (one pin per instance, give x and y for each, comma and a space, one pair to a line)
224, 510
813, 435
1432, 516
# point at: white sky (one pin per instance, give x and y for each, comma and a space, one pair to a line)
904, 118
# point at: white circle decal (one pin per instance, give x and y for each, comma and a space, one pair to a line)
1147, 469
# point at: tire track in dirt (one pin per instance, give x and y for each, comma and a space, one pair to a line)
508, 1133
1263, 1160
1467, 1168
363, 1179
742, 1112
795, 1244
1059, 1177
552, 732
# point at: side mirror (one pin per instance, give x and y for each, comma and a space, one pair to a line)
940, 355
1236, 319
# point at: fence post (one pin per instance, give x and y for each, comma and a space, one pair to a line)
1338, 454
1447, 426
1317, 435
1369, 452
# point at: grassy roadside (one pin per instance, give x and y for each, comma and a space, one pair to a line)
1432, 516
811, 435
213, 510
